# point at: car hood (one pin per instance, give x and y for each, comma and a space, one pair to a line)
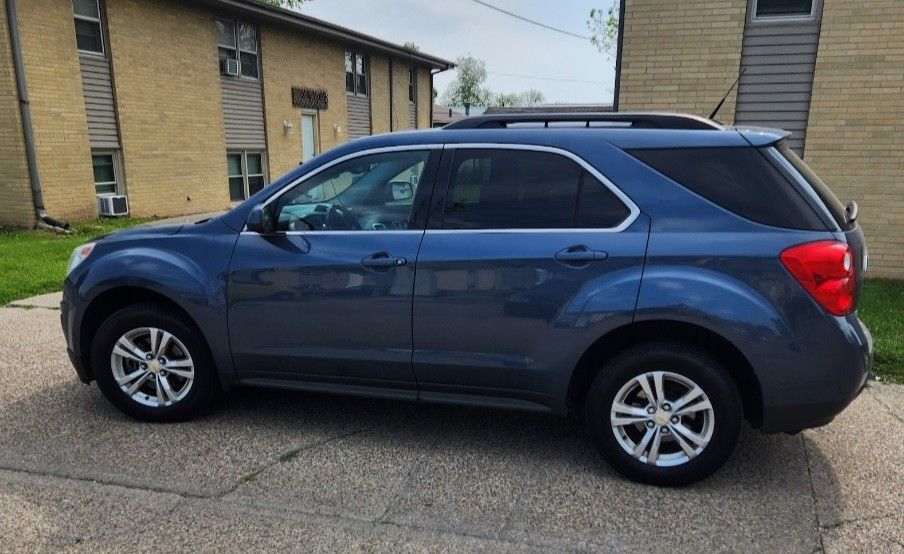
150, 229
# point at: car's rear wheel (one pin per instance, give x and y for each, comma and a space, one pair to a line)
152, 365
664, 414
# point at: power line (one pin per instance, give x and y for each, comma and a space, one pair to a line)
545, 78
531, 21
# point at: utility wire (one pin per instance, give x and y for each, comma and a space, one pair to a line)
531, 21
545, 78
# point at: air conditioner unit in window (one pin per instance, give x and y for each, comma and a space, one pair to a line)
113, 205
229, 67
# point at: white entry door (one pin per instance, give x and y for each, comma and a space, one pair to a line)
309, 142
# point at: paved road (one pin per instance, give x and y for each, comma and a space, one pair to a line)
320, 473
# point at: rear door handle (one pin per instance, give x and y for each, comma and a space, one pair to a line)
580, 254
383, 260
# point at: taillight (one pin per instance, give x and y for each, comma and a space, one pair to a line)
825, 269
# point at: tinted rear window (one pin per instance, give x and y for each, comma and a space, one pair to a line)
740, 180
835, 207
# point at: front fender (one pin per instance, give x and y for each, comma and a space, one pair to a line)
187, 270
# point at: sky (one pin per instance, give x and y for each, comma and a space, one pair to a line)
453, 28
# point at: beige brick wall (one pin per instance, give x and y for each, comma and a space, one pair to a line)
400, 92
168, 98
379, 94
681, 56
291, 58
856, 125
16, 208
424, 101
57, 108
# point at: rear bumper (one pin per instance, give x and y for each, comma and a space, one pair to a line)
843, 380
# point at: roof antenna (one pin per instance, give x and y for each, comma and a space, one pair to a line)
733, 85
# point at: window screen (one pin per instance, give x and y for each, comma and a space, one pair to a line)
517, 189
783, 8
740, 180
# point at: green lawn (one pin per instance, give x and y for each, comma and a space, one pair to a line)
882, 309
34, 262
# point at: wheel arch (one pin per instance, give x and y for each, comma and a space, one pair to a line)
112, 300
633, 334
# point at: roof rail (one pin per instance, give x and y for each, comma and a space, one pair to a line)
648, 120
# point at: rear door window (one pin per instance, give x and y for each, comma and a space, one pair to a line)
741, 180
521, 189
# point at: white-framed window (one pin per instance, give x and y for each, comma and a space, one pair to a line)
107, 172
89, 36
238, 41
412, 85
355, 73
247, 173
783, 9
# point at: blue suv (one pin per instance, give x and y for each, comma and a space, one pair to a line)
659, 276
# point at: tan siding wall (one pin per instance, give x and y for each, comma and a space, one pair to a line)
681, 56
293, 59
379, 94
57, 107
424, 102
167, 85
856, 125
16, 208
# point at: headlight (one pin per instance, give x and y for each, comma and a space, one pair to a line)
79, 255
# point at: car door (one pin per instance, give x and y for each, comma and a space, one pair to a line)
327, 297
528, 258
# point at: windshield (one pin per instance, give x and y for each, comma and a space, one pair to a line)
835, 207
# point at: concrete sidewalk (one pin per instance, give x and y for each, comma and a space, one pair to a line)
277, 470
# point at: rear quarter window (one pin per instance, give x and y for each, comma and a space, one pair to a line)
741, 180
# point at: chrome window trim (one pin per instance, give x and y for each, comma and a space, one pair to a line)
634, 211
804, 185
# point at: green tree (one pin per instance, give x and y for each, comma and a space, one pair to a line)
288, 4
468, 86
532, 97
603, 26
507, 100
411, 46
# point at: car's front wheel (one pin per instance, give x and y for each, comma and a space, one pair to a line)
664, 414
152, 365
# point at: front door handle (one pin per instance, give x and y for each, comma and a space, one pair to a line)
580, 254
382, 260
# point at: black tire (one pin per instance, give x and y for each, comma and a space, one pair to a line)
695, 365
205, 384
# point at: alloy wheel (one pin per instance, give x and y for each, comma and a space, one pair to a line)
662, 418
152, 367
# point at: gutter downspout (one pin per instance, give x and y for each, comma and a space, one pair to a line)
618, 53
391, 98
44, 219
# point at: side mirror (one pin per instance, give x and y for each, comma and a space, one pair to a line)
259, 221
400, 191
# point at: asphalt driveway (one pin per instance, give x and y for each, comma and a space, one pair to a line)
314, 472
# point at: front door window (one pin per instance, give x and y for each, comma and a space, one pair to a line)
369, 193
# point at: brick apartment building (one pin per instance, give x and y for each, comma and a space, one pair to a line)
830, 71
186, 106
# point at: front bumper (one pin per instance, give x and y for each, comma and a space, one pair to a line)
67, 321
